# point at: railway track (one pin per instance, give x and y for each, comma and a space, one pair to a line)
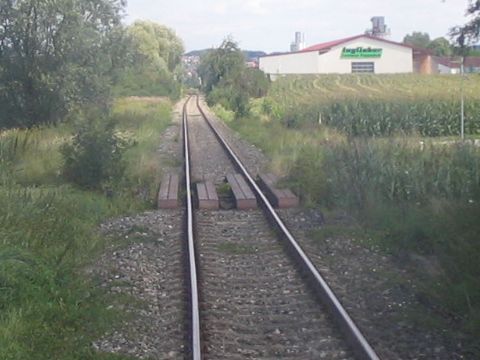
253, 291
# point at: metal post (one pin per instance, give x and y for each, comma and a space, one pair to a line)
462, 123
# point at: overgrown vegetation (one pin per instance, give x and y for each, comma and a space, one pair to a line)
420, 199
419, 196
140, 121
68, 161
94, 157
49, 307
55, 57
49, 310
228, 81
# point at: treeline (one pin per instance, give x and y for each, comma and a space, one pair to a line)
58, 57
228, 81
152, 62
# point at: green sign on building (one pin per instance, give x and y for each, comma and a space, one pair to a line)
361, 53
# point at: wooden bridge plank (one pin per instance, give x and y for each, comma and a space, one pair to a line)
207, 196
168, 192
244, 197
281, 198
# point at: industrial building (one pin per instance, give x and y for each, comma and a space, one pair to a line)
426, 63
358, 54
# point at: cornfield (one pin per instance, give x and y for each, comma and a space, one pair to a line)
377, 105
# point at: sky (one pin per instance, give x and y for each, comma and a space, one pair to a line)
270, 25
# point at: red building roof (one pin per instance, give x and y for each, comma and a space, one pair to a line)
331, 44
448, 62
328, 45
472, 61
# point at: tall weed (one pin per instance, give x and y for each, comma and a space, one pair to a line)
419, 196
142, 120
48, 310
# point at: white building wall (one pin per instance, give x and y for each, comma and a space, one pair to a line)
293, 63
442, 69
394, 59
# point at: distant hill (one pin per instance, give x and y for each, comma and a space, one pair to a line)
196, 52
249, 54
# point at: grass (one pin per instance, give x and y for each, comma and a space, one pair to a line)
49, 310
38, 160
143, 119
49, 307
224, 189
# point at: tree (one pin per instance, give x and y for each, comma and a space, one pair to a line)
221, 65
158, 45
417, 39
470, 32
227, 80
441, 47
154, 54
55, 55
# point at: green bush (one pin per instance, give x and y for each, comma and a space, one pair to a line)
58, 59
93, 158
227, 80
230, 98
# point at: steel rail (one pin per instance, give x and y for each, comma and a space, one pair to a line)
357, 341
196, 349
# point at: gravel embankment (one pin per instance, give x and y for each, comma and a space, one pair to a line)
146, 276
